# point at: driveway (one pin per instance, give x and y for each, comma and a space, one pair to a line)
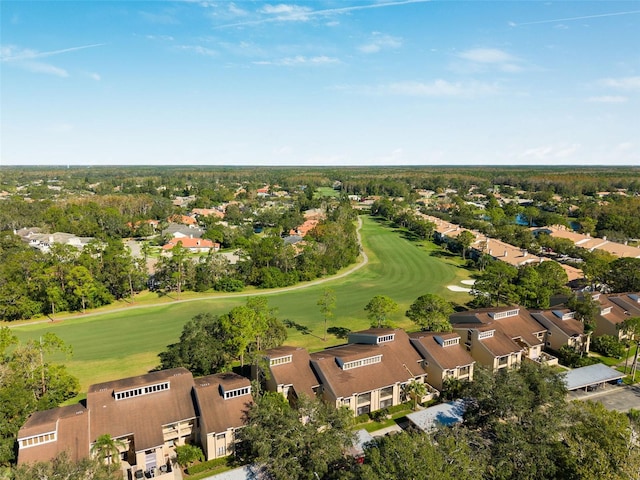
620, 398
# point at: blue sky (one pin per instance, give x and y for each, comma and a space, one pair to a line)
320, 82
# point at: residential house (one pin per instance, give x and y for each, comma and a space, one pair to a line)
48, 433
290, 373
183, 219
563, 329
194, 245
178, 230
444, 357
618, 308
513, 323
149, 414
370, 372
221, 401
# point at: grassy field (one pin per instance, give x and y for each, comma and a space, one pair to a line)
123, 343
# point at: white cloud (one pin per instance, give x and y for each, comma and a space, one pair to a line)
14, 53
379, 41
284, 150
287, 12
94, 76
487, 55
300, 60
623, 83
198, 49
608, 99
46, 68
167, 38
441, 88
237, 11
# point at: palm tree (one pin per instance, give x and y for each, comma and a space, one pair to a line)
107, 449
415, 390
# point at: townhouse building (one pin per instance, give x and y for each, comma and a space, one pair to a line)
149, 416
444, 356
563, 329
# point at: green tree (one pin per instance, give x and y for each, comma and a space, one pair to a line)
599, 444
465, 239
431, 312
327, 304
107, 449
450, 454
29, 382
497, 283
416, 391
63, 468
378, 309
301, 443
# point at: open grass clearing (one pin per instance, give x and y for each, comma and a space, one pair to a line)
126, 342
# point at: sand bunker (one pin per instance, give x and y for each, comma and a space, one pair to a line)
455, 288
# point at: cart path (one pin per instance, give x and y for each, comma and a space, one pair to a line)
274, 291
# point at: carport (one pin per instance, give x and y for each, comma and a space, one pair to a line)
591, 376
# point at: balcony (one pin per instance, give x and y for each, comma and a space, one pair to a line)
546, 359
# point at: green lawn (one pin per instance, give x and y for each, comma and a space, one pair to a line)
125, 343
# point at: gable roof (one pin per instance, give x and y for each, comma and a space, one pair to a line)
218, 414
143, 415
71, 424
298, 372
560, 318
515, 325
446, 358
398, 364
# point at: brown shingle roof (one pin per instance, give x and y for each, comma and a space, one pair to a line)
448, 357
218, 414
522, 325
399, 364
71, 424
297, 373
570, 326
144, 415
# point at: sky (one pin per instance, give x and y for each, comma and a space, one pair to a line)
335, 82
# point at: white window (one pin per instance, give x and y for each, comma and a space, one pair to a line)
451, 341
238, 392
136, 392
362, 362
38, 440
487, 334
386, 338
280, 360
508, 313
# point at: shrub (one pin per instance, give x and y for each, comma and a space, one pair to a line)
569, 357
187, 454
205, 466
608, 345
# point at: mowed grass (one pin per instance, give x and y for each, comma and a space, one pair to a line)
125, 343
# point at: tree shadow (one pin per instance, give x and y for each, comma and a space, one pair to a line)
299, 327
340, 332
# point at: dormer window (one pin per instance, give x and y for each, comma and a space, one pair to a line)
386, 338
605, 311
280, 360
447, 342
136, 392
236, 392
564, 316
509, 313
487, 334
359, 363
